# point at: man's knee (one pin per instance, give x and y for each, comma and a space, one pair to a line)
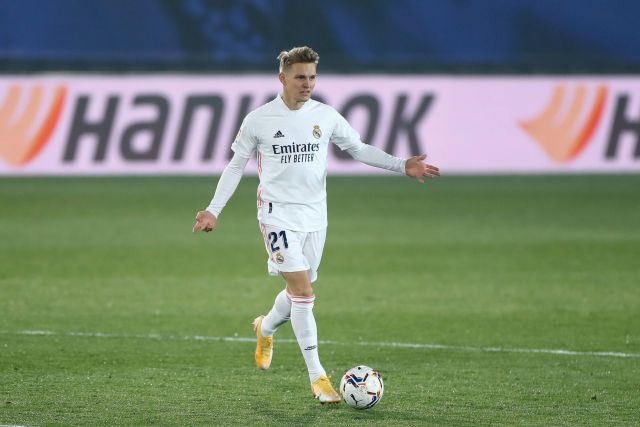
298, 283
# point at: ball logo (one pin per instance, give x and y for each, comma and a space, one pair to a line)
27, 122
565, 126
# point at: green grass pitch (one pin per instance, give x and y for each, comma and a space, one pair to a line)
481, 300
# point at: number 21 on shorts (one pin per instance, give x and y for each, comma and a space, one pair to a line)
273, 240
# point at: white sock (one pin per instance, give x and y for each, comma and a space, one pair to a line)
279, 314
306, 331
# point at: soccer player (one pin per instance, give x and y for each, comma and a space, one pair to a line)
290, 137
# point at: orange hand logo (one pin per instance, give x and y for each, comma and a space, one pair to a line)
21, 139
562, 137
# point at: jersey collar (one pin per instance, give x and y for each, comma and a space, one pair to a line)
284, 106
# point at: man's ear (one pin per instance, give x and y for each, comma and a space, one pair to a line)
281, 77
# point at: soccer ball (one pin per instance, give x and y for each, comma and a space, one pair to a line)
361, 387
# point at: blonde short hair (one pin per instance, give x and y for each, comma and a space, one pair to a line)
297, 55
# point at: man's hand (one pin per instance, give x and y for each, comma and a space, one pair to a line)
416, 168
205, 221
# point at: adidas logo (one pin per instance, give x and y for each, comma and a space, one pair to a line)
278, 135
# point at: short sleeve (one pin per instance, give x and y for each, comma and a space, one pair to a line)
245, 143
344, 136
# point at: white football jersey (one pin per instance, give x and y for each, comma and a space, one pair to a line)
291, 148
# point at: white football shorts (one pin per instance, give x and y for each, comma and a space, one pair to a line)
293, 250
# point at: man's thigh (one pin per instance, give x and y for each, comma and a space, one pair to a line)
285, 249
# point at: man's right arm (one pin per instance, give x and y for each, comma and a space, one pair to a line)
227, 184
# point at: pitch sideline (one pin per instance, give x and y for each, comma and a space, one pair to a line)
160, 337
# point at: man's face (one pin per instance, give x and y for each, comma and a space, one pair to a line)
299, 81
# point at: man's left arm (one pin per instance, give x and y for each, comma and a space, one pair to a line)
414, 167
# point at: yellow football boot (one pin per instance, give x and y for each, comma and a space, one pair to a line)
324, 392
264, 345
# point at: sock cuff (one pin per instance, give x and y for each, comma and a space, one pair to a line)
301, 299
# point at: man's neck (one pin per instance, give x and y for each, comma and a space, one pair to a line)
292, 104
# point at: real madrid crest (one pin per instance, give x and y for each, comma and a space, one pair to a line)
279, 258
317, 133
